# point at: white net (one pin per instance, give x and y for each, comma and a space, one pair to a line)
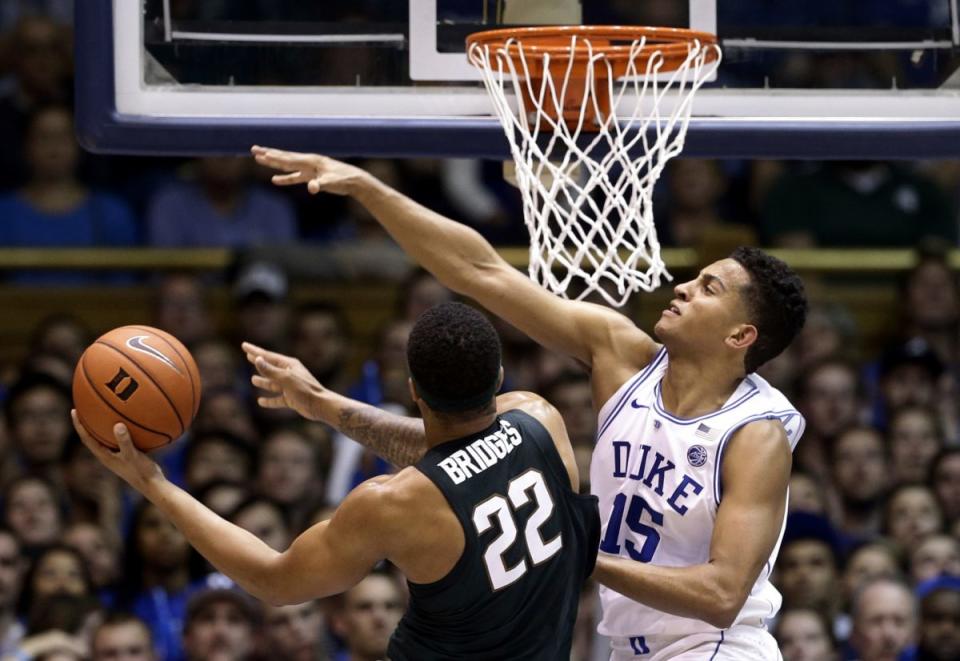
587, 184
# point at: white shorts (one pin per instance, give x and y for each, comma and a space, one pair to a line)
738, 643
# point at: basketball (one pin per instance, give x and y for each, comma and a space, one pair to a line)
142, 377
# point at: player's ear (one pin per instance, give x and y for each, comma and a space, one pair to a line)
743, 336
499, 381
414, 395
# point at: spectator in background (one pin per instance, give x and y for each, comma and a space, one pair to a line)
54, 209
34, 511
217, 455
930, 303
945, 482
226, 410
855, 204
56, 569
808, 566
122, 637
160, 573
859, 470
909, 374
94, 493
420, 292
12, 569
288, 471
38, 51
934, 556
222, 625
571, 394
884, 620
218, 365
321, 340
366, 615
56, 628
829, 397
939, 628
296, 633
866, 562
221, 207
61, 335
38, 422
100, 553
914, 439
181, 308
260, 299
264, 519
695, 189
804, 635
806, 493
911, 515
222, 496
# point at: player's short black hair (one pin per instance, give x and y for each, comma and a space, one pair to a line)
454, 358
776, 302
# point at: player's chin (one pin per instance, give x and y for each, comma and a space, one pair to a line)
665, 325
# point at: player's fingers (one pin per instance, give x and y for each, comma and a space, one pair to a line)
268, 370
272, 402
265, 384
270, 356
289, 179
125, 443
282, 160
98, 449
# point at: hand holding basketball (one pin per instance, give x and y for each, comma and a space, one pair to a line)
320, 173
127, 462
290, 382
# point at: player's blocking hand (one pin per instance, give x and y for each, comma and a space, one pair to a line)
289, 383
129, 463
320, 173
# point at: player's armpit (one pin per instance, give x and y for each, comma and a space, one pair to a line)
333, 556
754, 476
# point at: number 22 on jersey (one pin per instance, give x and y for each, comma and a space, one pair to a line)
519, 493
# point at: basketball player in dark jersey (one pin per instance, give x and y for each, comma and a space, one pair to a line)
487, 525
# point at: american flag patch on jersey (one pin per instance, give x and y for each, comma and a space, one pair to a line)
703, 431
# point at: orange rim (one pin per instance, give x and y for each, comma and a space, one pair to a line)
614, 41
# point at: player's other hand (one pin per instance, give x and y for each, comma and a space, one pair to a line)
289, 383
319, 173
131, 464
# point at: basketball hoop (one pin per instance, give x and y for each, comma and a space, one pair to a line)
596, 114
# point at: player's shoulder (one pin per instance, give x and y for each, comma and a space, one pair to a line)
386, 499
529, 402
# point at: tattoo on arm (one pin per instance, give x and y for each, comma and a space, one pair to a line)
398, 439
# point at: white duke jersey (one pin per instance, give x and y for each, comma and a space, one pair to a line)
658, 481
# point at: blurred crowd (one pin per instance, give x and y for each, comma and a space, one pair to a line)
869, 566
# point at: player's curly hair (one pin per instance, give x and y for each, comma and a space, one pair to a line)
776, 302
454, 358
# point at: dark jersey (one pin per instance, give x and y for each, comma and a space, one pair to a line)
530, 543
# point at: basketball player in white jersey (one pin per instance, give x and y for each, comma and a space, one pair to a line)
694, 449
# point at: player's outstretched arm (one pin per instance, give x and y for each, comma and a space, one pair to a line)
755, 473
398, 439
327, 559
466, 263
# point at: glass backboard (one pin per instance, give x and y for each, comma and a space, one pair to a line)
822, 79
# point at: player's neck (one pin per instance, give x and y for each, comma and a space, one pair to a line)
437, 430
692, 388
